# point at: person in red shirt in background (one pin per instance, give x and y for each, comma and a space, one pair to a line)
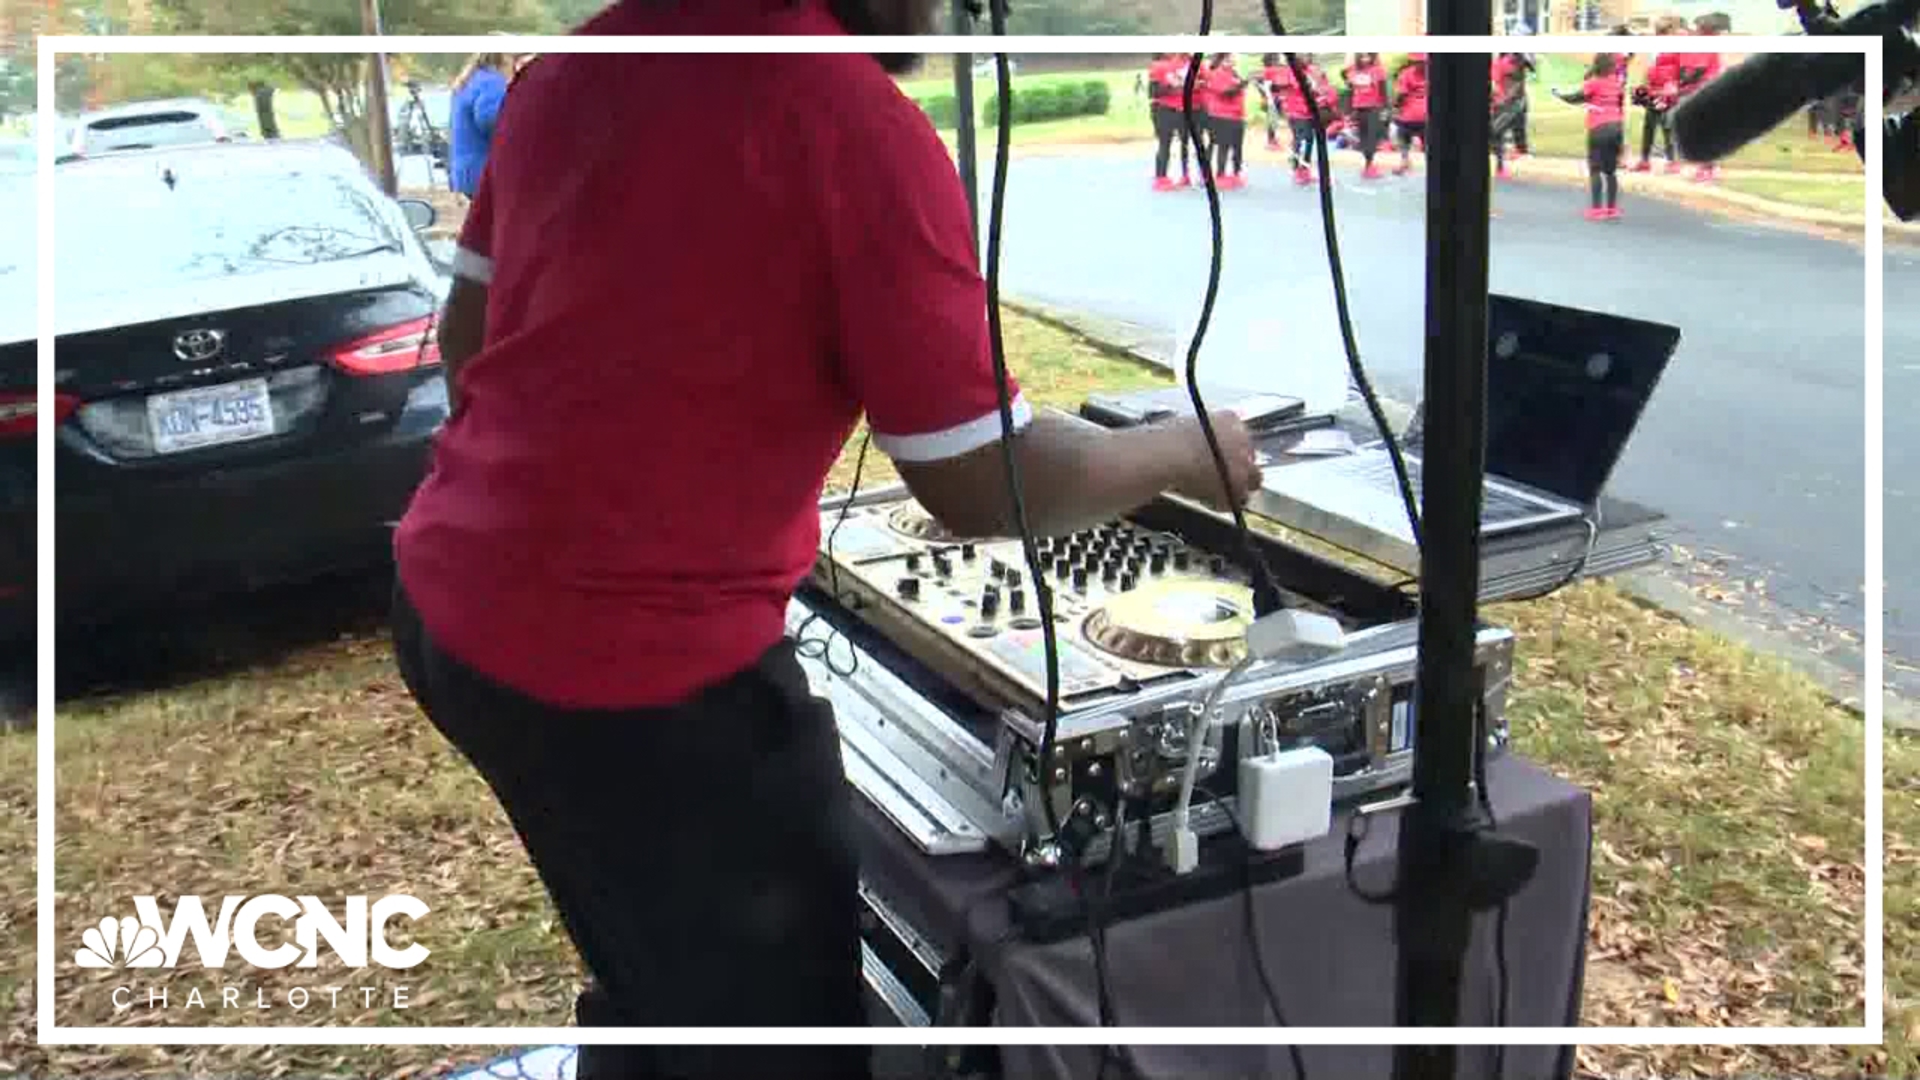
1410, 109
1508, 100
1696, 71
1656, 95
1366, 77
1297, 105
1271, 65
1600, 93
1166, 81
594, 576
1227, 113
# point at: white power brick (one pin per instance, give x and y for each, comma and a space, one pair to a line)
1286, 797
1290, 633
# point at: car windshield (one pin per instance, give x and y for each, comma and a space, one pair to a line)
148, 130
120, 230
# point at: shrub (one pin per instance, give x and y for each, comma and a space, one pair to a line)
941, 109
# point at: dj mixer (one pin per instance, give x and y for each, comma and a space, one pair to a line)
1150, 613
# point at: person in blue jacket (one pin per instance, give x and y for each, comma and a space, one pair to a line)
478, 92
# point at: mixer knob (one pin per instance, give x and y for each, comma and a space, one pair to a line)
1062, 567
967, 552
1013, 576
1133, 565
1180, 560
942, 566
1017, 601
1110, 573
1158, 563
909, 588
1217, 564
996, 567
990, 603
913, 562
1080, 578
1127, 581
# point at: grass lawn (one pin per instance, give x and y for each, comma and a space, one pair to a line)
1728, 880
1839, 194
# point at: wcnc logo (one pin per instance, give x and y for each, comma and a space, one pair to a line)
150, 941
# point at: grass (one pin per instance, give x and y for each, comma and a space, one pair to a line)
1727, 877
1840, 195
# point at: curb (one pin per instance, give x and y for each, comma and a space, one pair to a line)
1647, 585
1570, 172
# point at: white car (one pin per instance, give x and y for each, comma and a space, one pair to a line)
146, 125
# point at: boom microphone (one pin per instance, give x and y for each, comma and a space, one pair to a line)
1754, 96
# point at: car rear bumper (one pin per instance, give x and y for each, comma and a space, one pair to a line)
175, 544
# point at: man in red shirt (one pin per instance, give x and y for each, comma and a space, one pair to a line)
651, 371
1166, 86
1227, 111
1297, 105
1696, 71
1656, 95
1367, 79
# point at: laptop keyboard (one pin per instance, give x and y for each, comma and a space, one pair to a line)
1497, 504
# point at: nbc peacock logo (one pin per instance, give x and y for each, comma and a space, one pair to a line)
117, 943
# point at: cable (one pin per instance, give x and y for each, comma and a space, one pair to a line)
1480, 736
1043, 592
1253, 931
1354, 367
1592, 522
1265, 580
821, 648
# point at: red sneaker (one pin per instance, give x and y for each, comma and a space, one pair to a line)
1302, 175
1595, 213
1613, 213
1161, 183
1402, 169
1703, 175
1371, 172
1273, 144
1185, 182
1673, 167
1642, 165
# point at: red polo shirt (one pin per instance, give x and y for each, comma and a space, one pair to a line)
689, 306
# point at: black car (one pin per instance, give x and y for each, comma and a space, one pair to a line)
245, 376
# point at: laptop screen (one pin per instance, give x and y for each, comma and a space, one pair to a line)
1565, 389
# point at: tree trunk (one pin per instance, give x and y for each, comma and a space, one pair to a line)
263, 109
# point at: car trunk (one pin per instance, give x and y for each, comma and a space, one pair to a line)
253, 384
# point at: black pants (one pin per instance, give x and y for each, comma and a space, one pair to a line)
1169, 123
1229, 145
1409, 131
698, 854
1302, 142
1603, 164
1369, 123
1656, 121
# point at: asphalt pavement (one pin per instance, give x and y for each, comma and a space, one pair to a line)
1754, 444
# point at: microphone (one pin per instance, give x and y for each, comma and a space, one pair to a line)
1754, 96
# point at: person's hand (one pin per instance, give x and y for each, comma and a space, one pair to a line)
1201, 476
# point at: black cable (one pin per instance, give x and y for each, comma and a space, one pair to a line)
1253, 929
821, 648
1267, 595
1043, 592
1480, 737
1352, 346
1573, 573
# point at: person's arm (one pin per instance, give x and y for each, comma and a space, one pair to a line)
1572, 97
912, 340
463, 322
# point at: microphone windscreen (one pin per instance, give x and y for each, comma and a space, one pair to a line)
1751, 98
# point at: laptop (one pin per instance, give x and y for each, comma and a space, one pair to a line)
1565, 390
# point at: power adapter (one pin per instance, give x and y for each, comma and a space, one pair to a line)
1286, 797
1292, 633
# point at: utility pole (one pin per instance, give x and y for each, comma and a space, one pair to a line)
379, 138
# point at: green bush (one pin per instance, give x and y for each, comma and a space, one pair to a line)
1060, 101
941, 109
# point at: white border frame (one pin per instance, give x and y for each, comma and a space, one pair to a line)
1871, 1033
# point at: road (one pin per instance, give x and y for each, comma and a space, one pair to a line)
1753, 445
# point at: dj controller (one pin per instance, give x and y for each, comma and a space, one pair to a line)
932, 650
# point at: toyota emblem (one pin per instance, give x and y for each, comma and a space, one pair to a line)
199, 346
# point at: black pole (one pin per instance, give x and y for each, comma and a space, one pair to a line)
1449, 864
965, 150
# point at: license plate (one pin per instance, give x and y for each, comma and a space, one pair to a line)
210, 416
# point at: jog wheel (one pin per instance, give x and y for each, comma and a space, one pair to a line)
909, 520
1178, 623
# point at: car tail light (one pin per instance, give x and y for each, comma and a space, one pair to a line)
397, 348
19, 412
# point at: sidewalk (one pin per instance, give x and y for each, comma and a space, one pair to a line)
1570, 171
